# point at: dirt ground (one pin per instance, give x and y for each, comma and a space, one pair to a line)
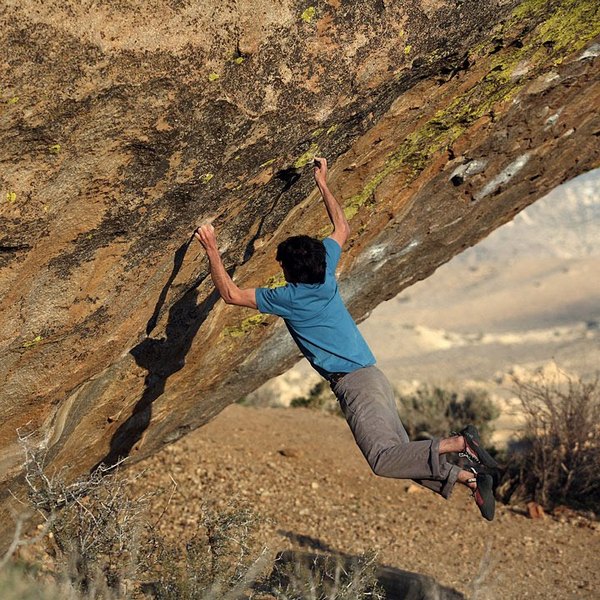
302, 471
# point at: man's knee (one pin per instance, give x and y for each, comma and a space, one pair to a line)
391, 462
380, 465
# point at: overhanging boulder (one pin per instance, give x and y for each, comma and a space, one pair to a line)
124, 127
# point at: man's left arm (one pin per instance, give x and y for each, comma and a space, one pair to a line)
230, 292
341, 228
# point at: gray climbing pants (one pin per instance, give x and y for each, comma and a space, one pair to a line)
367, 400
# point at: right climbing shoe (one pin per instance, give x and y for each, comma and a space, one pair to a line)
484, 494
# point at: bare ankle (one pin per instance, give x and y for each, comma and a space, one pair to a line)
467, 478
455, 443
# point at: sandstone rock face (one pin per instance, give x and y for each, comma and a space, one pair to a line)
124, 125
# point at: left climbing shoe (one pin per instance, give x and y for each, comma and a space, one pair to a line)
474, 450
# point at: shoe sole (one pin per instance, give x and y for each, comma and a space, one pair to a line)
484, 496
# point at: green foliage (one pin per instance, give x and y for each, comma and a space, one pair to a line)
433, 411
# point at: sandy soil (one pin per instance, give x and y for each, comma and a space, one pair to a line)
473, 323
302, 471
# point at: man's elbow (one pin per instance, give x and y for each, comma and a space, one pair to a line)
229, 297
342, 232
240, 297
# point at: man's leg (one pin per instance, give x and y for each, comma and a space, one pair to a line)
367, 400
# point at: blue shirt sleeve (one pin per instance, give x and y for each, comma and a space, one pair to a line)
274, 301
333, 251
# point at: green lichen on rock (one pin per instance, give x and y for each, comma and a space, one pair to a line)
276, 281
309, 14
307, 157
213, 77
54, 149
245, 327
561, 29
204, 179
267, 163
554, 28
567, 29
11, 197
36, 340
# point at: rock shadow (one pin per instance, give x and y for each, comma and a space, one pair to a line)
161, 357
319, 562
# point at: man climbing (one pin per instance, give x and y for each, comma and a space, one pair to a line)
328, 337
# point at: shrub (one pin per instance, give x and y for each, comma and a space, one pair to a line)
325, 577
103, 547
219, 560
16, 584
320, 397
433, 411
95, 524
558, 460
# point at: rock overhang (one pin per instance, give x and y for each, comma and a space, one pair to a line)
441, 121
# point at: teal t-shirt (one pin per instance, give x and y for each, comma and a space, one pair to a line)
319, 321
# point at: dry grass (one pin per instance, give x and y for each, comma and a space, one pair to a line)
100, 544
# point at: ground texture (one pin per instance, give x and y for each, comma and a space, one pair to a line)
301, 470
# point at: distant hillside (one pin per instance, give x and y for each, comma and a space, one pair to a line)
563, 224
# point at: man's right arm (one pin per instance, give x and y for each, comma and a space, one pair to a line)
341, 228
228, 290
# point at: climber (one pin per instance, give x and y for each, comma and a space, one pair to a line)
328, 337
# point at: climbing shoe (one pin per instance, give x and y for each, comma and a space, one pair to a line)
474, 450
484, 494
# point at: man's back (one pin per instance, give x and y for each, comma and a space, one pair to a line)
319, 321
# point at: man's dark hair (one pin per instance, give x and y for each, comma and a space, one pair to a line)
302, 259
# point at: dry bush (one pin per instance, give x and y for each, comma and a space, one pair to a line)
433, 411
327, 577
95, 524
18, 584
103, 547
558, 459
220, 560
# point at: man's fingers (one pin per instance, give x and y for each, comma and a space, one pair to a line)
205, 229
205, 234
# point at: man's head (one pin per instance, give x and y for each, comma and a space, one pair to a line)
302, 259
